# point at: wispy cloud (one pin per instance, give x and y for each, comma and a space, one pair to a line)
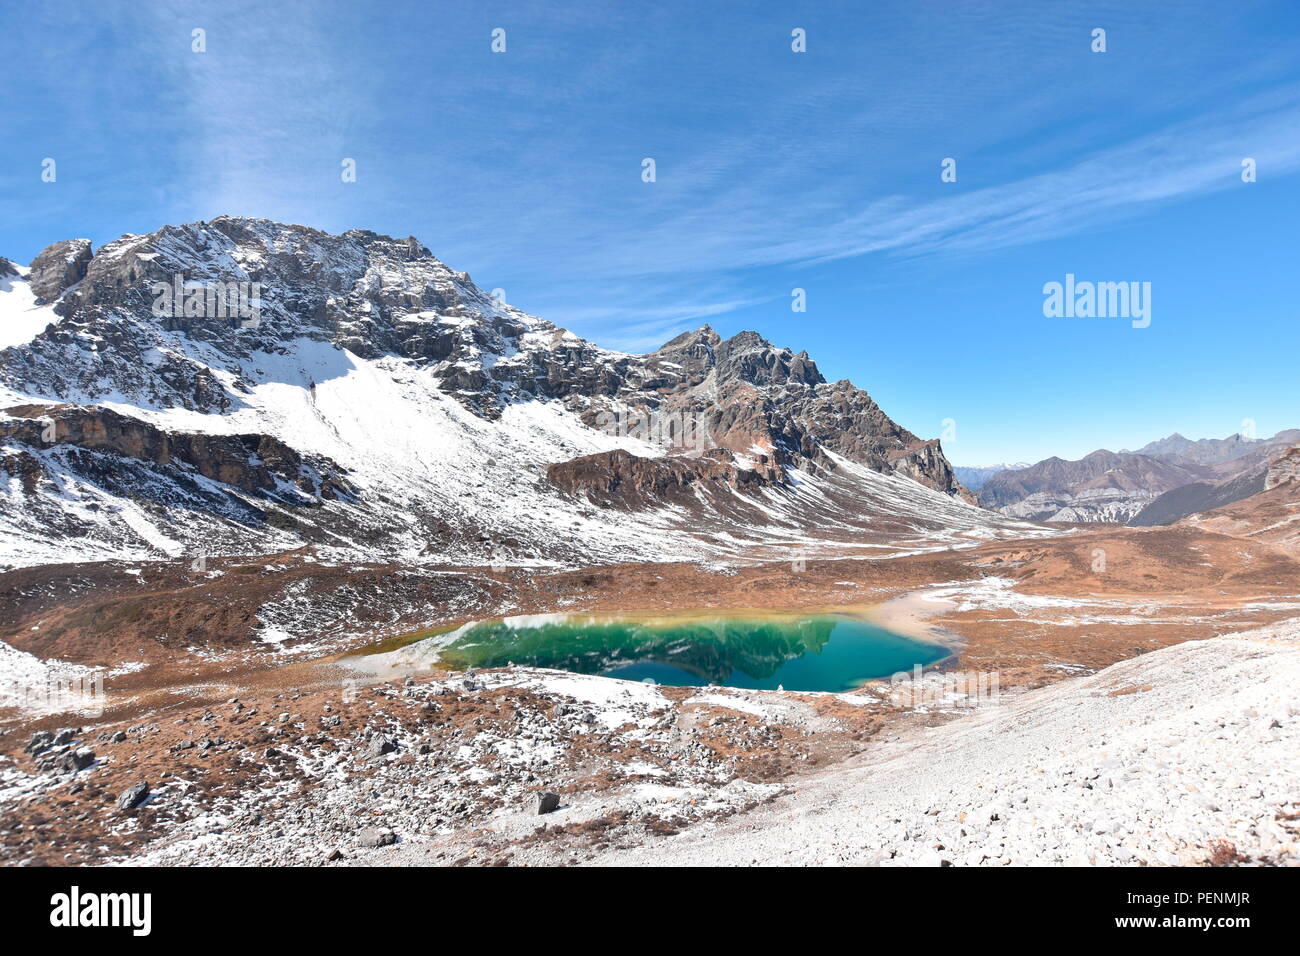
751, 225
269, 106
525, 168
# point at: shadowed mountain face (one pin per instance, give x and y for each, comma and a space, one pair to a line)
1198, 496
424, 414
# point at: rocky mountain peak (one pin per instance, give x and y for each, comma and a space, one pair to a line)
693, 353
371, 294
704, 335
745, 357
749, 357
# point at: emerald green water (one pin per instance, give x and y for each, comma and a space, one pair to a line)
824, 652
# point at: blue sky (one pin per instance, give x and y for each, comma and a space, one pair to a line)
775, 170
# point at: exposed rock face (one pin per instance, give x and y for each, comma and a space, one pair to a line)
258, 464
924, 462
7, 268
59, 266
619, 478
1285, 470
24, 466
90, 482
750, 397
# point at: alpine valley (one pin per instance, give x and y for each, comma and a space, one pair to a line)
349, 561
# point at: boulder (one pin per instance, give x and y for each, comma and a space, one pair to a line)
546, 802
133, 796
375, 837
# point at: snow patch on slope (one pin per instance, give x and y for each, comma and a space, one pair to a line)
21, 319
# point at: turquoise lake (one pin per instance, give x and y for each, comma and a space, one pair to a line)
821, 652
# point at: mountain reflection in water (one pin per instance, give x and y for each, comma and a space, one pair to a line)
824, 652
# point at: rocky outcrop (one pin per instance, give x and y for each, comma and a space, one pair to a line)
1285, 470
753, 398
924, 462
24, 466
620, 479
58, 267
7, 268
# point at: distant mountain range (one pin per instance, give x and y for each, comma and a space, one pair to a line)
1204, 451
973, 476
1157, 484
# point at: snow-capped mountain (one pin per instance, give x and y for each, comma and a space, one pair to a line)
244, 386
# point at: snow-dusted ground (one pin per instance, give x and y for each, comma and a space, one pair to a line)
1150, 761
423, 801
